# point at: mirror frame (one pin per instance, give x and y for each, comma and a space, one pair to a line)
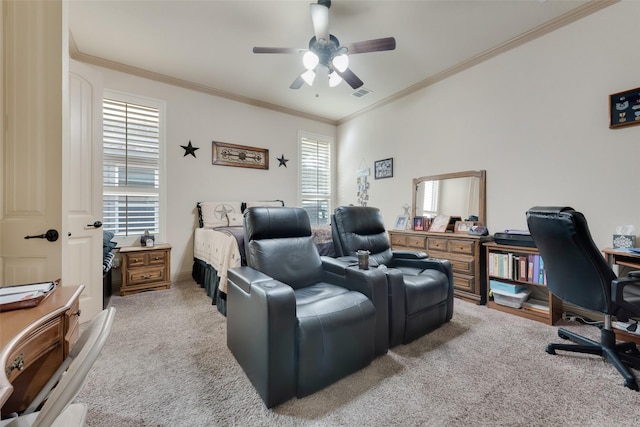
482, 197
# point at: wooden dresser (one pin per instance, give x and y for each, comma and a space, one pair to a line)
33, 343
465, 253
145, 268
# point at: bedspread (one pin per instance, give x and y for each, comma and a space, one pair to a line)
218, 249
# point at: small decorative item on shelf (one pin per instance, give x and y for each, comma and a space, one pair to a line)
147, 239
624, 237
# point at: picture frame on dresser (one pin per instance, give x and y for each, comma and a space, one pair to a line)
401, 222
439, 224
418, 223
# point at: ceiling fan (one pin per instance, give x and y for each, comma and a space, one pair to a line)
325, 52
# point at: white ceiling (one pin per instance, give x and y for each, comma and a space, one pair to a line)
209, 43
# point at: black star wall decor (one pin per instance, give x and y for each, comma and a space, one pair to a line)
189, 149
283, 161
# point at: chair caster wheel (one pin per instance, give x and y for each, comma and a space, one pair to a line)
550, 350
632, 384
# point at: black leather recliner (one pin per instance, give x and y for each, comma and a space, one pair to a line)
420, 289
578, 273
297, 322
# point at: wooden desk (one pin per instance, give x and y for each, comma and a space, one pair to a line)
629, 259
33, 343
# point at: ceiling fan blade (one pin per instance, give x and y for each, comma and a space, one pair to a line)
375, 45
297, 83
320, 20
278, 50
349, 77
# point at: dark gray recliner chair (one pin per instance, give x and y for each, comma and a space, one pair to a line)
297, 322
420, 289
578, 273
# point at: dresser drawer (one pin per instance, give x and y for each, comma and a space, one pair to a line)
72, 319
436, 244
464, 283
45, 339
463, 266
461, 247
417, 242
398, 240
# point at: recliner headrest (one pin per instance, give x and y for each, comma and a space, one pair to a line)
366, 220
275, 223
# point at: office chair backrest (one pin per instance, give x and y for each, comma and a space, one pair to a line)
279, 243
90, 344
360, 227
576, 270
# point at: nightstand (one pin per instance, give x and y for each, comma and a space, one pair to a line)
145, 268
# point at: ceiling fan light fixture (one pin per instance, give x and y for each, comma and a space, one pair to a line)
310, 60
340, 62
308, 77
334, 79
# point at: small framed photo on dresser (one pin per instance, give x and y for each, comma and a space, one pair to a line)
418, 223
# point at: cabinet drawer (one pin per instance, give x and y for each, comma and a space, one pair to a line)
437, 244
157, 257
135, 260
462, 266
418, 242
144, 276
42, 341
461, 247
398, 240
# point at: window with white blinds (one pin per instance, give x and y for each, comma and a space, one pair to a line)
431, 197
131, 167
316, 178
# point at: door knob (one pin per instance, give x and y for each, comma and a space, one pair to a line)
96, 224
50, 235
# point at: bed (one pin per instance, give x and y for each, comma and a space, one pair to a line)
218, 245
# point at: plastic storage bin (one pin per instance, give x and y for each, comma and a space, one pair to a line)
510, 300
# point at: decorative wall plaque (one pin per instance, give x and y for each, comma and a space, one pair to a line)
240, 156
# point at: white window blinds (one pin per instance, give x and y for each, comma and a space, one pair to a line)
316, 179
131, 168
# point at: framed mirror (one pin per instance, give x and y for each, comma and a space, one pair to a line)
460, 194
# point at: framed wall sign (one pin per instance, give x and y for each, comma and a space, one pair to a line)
624, 108
240, 156
383, 168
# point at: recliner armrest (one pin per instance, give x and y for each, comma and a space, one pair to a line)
244, 277
338, 265
406, 254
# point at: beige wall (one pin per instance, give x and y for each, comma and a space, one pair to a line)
201, 119
536, 118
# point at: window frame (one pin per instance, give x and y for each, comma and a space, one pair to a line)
332, 173
160, 105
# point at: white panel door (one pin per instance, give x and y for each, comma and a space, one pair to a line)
82, 189
34, 43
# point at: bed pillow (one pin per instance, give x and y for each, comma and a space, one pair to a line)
214, 214
235, 219
265, 204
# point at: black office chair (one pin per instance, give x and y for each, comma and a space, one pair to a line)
578, 273
420, 288
297, 322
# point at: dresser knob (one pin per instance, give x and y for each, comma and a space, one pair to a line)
18, 363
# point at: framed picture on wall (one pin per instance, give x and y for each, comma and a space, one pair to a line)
383, 168
624, 108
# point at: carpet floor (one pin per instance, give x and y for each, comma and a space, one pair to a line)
166, 363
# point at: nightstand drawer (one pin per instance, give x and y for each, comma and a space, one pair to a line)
144, 276
136, 260
157, 257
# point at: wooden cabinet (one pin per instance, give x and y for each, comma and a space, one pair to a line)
33, 343
551, 309
462, 250
145, 268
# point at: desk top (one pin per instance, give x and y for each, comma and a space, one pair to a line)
17, 324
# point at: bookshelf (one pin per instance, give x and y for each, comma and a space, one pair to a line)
511, 272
